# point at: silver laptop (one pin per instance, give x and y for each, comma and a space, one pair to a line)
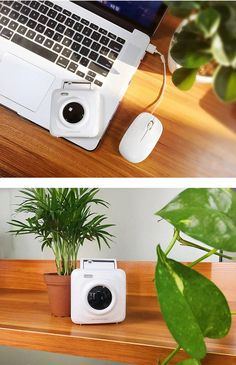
44, 43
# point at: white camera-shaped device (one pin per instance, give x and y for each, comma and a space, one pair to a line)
75, 111
98, 292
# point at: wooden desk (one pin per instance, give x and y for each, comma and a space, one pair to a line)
141, 339
199, 134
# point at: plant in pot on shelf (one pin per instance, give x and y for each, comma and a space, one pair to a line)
193, 307
63, 220
204, 46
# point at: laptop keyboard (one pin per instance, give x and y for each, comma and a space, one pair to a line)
61, 37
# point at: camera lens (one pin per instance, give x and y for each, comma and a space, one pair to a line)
99, 297
73, 112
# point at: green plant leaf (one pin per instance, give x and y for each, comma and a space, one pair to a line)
225, 84
191, 54
208, 215
192, 306
208, 21
184, 78
182, 9
224, 51
189, 362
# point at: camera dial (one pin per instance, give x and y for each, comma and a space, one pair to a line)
99, 297
73, 112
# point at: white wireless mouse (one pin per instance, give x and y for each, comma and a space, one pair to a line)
140, 138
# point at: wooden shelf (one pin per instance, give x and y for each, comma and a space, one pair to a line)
143, 338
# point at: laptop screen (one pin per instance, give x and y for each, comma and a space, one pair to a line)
143, 15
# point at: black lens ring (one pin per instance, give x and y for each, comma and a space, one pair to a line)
99, 297
73, 112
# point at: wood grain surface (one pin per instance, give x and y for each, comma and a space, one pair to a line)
199, 137
142, 338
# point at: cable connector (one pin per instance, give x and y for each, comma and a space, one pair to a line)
151, 48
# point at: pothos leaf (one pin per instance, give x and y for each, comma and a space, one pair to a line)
191, 304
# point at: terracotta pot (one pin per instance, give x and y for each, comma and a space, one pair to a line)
58, 294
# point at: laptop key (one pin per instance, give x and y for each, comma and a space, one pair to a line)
80, 73
69, 22
6, 33
105, 62
40, 28
60, 28
76, 46
49, 3
95, 46
57, 7
4, 20
66, 52
13, 25
72, 67
93, 55
84, 21
117, 47
78, 27
97, 82
21, 29
16, 5
49, 33
87, 42
87, 31
84, 62
113, 55
43, 19
13, 14
57, 48
92, 74
104, 51
51, 23
78, 37
48, 43
111, 35
33, 47
43, 9
60, 18
76, 17
52, 13
30, 34
39, 38
22, 19
89, 78
104, 40
98, 69
5, 10
96, 36
84, 51
75, 57
66, 12
66, 42
69, 32
31, 24
57, 37
25, 10
34, 4
93, 26
102, 31
121, 40
63, 62
34, 15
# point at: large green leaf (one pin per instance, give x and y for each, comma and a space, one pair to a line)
184, 78
192, 306
208, 21
191, 54
182, 9
225, 84
189, 362
208, 215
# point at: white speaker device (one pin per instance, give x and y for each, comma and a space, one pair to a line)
98, 292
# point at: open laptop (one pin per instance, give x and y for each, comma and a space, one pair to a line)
44, 43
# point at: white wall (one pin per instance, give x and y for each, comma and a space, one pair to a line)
137, 230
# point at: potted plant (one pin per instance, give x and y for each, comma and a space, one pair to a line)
63, 220
193, 307
204, 46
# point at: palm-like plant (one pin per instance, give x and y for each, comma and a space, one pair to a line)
62, 219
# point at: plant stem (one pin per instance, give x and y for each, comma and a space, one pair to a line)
172, 354
172, 242
194, 245
210, 253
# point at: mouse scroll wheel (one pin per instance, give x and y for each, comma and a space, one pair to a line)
150, 125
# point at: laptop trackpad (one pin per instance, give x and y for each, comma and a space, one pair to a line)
22, 82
